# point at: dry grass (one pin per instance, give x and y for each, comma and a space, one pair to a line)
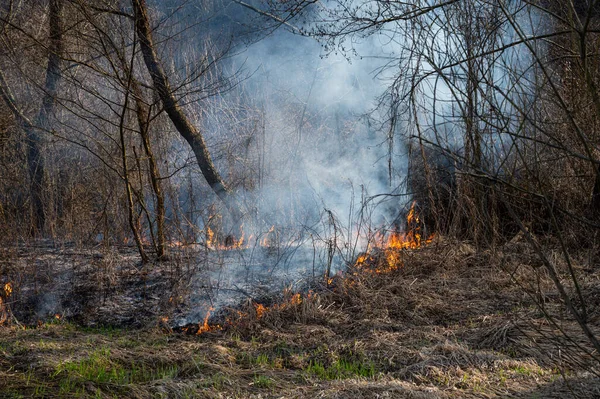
450, 323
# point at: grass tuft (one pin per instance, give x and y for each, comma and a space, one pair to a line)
341, 369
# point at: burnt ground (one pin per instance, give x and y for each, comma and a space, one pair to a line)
108, 286
451, 322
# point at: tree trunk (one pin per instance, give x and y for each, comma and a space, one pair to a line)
142, 114
128, 190
35, 160
182, 123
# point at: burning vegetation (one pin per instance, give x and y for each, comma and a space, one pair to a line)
4, 297
146, 179
384, 255
384, 252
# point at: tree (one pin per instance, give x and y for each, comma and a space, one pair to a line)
175, 112
41, 123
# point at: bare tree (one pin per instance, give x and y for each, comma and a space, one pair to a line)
177, 115
32, 129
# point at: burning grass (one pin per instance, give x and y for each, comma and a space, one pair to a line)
450, 322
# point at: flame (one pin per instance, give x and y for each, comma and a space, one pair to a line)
383, 255
296, 299
236, 317
240, 243
58, 316
3, 314
213, 242
8, 289
362, 258
260, 310
266, 241
210, 237
205, 327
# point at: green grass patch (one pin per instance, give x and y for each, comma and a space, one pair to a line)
262, 381
247, 359
100, 368
217, 381
109, 331
341, 369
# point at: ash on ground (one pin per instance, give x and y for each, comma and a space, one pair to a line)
107, 286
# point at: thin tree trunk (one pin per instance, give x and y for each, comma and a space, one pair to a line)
182, 123
143, 115
130, 205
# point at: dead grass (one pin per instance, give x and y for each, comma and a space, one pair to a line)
450, 323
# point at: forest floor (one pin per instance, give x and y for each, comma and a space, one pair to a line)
451, 322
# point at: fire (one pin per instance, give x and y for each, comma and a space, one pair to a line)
216, 242
266, 241
205, 327
294, 300
230, 242
260, 310
384, 254
210, 237
4, 311
362, 258
236, 317
239, 243
8, 289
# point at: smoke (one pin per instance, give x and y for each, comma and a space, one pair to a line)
322, 146
298, 135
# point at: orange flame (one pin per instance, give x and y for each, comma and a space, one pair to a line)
3, 314
260, 310
210, 237
266, 241
213, 242
8, 289
237, 317
205, 327
387, 256
294, 300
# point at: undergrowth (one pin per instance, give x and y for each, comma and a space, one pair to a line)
445, 325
